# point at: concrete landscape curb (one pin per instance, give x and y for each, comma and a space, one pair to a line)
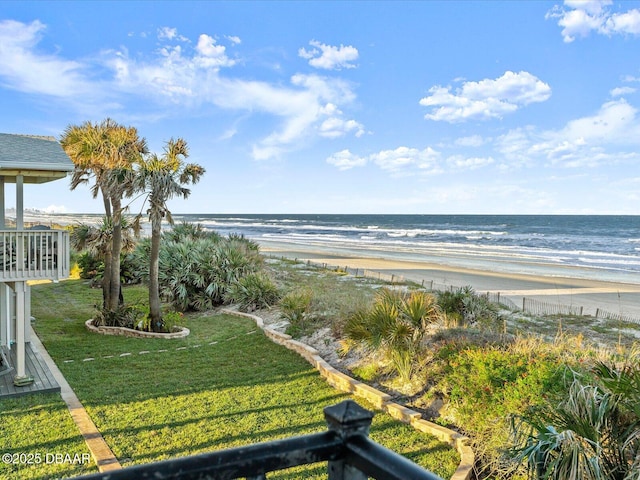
381, 400
130, 332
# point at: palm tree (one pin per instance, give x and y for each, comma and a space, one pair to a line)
106, 152
163, 178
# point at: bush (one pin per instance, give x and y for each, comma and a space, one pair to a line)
464, 307
89, 265
196, 274
592, 433
395, 326
295, 307
484, 385
126, 315
253, 292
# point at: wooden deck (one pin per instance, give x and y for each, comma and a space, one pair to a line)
36, 368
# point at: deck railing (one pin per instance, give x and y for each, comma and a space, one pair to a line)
34, 254
346, 446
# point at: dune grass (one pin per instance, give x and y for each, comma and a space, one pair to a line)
224, 385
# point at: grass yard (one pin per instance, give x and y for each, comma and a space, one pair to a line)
33, 429
223, 386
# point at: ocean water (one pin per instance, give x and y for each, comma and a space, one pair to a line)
595, 247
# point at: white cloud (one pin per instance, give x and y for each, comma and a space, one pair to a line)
345, 160
234, 39
168, 33
611, 135
25, 69
186, 74
335, 127
56, 209
485, 99
585, 16
395, 161
471, 141
617, 92
329, 57
403, 157
460, 162
211, 54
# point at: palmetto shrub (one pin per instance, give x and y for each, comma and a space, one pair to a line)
195, 274
395, 326
252, 292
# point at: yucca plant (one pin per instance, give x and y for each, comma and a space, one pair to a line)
395, 325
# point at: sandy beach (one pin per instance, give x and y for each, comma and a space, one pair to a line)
591, 294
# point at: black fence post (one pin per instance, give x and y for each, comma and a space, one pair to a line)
348, 419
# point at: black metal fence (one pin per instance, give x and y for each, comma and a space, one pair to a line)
346, 447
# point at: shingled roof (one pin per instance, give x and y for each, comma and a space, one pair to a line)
38, 159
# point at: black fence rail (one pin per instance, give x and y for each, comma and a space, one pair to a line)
346, 447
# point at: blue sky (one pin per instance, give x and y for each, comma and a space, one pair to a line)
345, 107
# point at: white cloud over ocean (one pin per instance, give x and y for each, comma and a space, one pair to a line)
485, 99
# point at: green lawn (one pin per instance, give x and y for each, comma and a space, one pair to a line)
224, 385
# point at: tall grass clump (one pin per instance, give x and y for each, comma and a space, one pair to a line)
464, 307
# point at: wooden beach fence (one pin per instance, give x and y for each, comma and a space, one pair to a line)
616, 317
529, 305
537, 307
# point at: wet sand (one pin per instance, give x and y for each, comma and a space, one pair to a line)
591, 294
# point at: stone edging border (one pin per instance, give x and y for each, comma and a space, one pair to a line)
381, 400
129, 332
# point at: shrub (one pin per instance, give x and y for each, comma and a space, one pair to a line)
296, 307
253, 292
89, 265
125, 315
484, 385
395, 325
196, 274
464, 307
590, 434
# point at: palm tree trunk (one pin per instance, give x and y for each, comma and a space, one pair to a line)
154, 289
106, 281
114, 288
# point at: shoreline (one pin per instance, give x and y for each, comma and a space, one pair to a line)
613, 296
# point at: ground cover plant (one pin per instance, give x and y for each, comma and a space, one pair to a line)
225, 385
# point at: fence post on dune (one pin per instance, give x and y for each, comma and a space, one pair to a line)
523, 303
597, 312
